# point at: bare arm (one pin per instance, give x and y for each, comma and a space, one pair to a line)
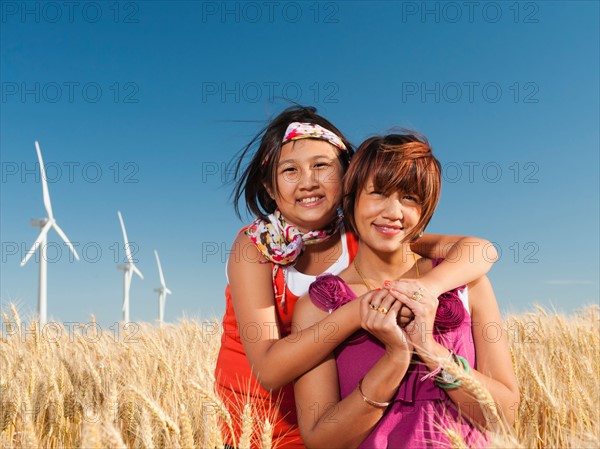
324, 419
494, 365
277, 361
465, 260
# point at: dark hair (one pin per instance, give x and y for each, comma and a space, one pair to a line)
396, 162
249, 183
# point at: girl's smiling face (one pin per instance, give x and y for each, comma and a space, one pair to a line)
308, 184
384, 220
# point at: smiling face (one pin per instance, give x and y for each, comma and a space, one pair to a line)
395, 181
384, 220
308, 184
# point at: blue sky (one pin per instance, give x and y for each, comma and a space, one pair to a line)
138, 106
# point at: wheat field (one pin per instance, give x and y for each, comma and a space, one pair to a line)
148, 387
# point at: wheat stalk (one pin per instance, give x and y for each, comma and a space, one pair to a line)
51, 392
247, 427
187, 435
266, 436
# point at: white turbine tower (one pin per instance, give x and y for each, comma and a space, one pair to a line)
45, 224
163, 291
128, 271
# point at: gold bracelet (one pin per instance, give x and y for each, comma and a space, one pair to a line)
369, 401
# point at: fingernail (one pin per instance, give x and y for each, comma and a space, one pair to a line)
378, 288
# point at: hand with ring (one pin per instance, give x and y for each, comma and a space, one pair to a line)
380, 313
418, 294
424, 307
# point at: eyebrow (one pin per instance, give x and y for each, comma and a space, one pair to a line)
314, 158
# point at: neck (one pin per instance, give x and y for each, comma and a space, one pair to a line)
378, 267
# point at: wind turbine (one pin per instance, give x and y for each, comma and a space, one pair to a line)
163, 291
45, 224
128, 271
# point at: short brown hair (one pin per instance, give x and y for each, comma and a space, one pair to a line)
395, 162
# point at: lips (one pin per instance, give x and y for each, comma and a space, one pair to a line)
388, 229
310, 201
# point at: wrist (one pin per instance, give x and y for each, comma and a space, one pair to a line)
397, 357
431, 350
431, 285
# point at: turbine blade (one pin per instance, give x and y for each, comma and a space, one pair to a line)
162, 279
136, 271
127, 247
168, 292
66, 240
35, 245
47, 203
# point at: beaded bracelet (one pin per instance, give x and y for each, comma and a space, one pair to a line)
436, 371
370, 401
457, 383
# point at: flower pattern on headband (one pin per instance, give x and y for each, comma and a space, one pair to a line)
299, 130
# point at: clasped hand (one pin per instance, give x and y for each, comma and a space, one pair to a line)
397, 314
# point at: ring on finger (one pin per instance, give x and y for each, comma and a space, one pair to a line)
373, 306
383, 310
417, 296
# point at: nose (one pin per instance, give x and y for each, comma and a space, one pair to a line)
393, 209
308, 179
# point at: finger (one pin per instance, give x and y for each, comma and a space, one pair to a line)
411, 289
369, 304
381, 324
405, 315
364, 308
413, 305
404, 285
417, 296
379, 307
377, 298
386, 303
405, 312
394, 311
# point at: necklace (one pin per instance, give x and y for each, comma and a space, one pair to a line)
368, 285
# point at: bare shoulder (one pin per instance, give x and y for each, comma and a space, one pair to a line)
244, 245
306, 313
244, 253
250, 278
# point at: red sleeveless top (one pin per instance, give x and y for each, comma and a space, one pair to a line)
236, 384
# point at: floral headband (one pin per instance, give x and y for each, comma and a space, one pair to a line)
299, 130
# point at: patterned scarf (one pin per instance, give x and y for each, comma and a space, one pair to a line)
282, 243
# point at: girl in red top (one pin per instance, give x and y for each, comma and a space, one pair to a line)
293, 185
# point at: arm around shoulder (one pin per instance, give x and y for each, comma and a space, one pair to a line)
277, 361
465, 260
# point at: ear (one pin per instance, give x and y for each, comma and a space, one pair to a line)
269, 191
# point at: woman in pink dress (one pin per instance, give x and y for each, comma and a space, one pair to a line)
385, 387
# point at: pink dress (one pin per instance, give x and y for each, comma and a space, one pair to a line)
420, 411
